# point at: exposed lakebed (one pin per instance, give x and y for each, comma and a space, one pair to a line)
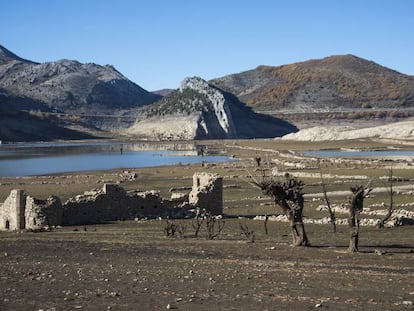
358, 154
50, 158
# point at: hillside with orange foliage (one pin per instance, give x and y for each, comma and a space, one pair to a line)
343, 81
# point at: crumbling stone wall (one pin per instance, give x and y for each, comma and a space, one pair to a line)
207, 192
112, 202
20, 211
43, 213
12, 211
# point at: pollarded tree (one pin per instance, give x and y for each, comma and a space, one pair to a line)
356, 204
288, 195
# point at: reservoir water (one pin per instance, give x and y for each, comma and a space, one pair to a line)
50, 158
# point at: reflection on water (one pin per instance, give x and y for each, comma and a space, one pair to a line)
49, 158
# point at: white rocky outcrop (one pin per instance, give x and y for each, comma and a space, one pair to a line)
166, 128
220, 105
198, 110
398, 130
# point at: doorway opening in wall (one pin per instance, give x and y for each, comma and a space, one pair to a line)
7, 225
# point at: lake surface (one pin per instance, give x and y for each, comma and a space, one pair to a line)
49, 158
357, 154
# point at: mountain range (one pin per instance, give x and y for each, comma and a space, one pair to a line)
343, 81
70, 100
69, 86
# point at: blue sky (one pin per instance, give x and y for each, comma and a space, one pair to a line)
156, 43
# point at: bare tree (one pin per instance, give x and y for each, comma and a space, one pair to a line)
170, 228
249, 234
265, 224
328, 204
197, 222
387, 217
181, 229
289, 196
258, 161
356, 204
214, 225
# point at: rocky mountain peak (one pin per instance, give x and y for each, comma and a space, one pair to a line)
216, 98
7, 56
70, 86
199, 110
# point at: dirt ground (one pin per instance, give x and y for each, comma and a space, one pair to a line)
133, 266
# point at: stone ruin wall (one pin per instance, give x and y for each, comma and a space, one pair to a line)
41, 214
207, 193
110, 203
21, 211
12, 211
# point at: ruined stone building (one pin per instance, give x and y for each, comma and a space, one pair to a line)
207, 192
110, 203
21, 211
12, 211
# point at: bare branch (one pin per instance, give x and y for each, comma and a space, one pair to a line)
387, 217
368, 188
328, 204
249, 234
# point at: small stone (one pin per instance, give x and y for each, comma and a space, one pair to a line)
114, 294
170, 307
407, 303
318, 305
5, 254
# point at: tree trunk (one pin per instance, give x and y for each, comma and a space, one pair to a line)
353, 222
356, 203
298, 228
299, 235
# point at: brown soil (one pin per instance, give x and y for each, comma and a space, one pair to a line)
133, 266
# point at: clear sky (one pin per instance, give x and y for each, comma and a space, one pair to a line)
156, 43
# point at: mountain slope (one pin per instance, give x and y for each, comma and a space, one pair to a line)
70, 86
199, 110
343, 81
